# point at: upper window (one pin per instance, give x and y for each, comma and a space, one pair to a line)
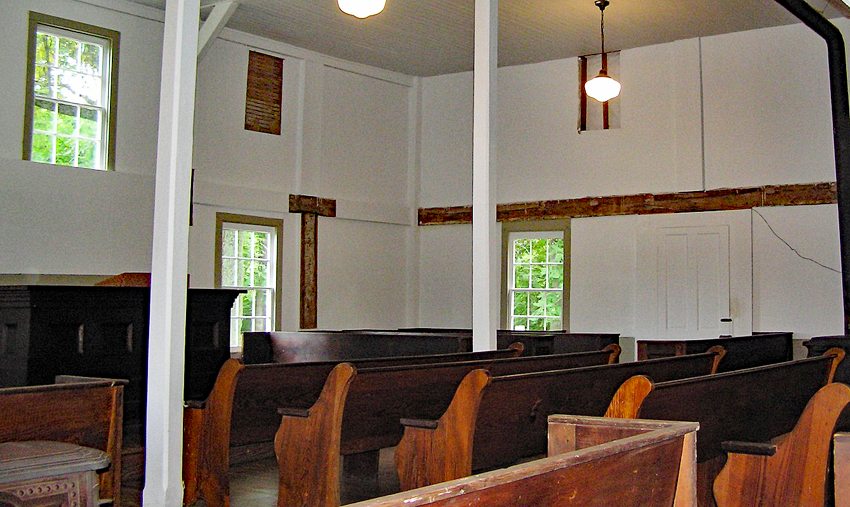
71, 93
249, 253
536, 280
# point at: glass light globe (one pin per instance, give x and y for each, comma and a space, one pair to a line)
602, 88
362, 8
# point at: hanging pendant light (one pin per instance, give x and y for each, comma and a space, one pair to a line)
362, 8
603, 87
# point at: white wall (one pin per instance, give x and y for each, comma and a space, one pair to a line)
741, 109
346, 135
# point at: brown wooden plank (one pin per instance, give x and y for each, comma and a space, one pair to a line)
264, 92
308, 318
582, 96
311, 204
643, 204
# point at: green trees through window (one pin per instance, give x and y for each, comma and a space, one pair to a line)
536, 283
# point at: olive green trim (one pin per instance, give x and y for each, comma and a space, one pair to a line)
536, 226
114, 38
277, 224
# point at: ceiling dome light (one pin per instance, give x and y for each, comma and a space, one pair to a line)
362, 8
602, 88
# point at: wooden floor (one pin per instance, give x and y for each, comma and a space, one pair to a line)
254, 484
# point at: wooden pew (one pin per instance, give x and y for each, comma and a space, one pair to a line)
471, 434
242, 409
592, 462
751, 405
79, 410
790, 469
758, 349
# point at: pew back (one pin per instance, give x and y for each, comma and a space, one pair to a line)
78, 410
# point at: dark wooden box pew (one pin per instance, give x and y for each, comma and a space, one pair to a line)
301, 346
84, 411
758, 349
241, 415
750, 405
259, 348
505, 422
594, 462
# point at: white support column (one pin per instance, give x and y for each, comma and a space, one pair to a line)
164, 432
486, 237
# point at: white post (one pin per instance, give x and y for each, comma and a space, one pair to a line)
486, 238
169, 263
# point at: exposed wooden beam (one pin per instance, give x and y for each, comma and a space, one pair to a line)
644, 204
215, 22
311, 204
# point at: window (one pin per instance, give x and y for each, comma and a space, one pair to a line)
248, 253
72, 83
536, 280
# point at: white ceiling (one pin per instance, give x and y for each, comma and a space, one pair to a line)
432, 37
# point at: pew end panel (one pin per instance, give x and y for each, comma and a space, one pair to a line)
307, 446
627, 400
86, 411
638, 470
790, 469
615, 351
452, 432
721, 353
841, 466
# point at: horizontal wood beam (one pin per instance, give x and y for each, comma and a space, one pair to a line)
311, 204
722, 199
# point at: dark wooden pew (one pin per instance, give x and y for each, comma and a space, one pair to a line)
506, 421
241, 414
758, 349
79, 410
751, 405
788, 470
556, 342
592, 462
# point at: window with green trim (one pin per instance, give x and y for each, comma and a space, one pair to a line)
536, 280
71, 93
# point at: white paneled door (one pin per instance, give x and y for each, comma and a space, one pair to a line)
693, 281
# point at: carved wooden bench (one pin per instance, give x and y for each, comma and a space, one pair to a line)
242, 411
750, 405
505, 421
78, 410
592, 462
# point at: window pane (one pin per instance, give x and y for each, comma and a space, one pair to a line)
243, 273
235, 335
228, 272
247, 301
261, 325
521, 277
260, 303
91, 57
536, 303
42, 148
553, 324
44, 117
246, 325
538, 250
538, 277
244, 244
522, 250
520, 303
76, 87
228, 243
553, 304
67, 119
89, 124
556, 276
520, 324
45, 49
68, 53
536, 325
556, 251
261, 245
65, 150
44, 82
87, 156
260, 272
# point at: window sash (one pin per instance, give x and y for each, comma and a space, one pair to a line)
513, 290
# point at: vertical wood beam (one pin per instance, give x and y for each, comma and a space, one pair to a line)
169, 262
309, 273
486, 235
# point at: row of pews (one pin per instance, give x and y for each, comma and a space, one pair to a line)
459, 423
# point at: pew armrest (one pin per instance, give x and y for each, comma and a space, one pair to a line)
752, 448
426, 424
294, 412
